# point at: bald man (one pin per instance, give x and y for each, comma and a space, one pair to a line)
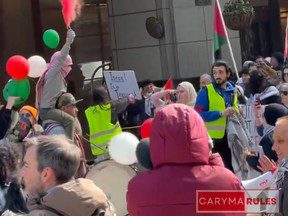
205, 79
280, 146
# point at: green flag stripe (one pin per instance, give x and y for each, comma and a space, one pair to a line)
219, 40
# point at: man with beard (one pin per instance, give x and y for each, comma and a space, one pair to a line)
47, 174
215, 103
67, 104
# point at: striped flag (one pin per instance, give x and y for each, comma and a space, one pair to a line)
169, 84
221, 37
220, 32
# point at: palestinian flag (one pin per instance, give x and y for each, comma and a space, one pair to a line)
220, 32
169, 84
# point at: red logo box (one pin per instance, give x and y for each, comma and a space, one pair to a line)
220, 201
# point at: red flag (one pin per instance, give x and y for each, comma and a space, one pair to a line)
286, 41
220, 32
169, 84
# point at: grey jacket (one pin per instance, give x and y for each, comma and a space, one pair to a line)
55, 83
53, 128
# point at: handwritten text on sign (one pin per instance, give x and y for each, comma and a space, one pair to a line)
122, 84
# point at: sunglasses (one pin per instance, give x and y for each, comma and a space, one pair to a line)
285, 93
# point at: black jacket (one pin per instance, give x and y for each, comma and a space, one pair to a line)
5, 120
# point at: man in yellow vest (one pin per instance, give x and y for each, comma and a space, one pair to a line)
103, 121
215, 103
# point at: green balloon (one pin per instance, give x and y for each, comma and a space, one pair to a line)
17, 88
51, 38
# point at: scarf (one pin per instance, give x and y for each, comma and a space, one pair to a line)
191, 92
53, 62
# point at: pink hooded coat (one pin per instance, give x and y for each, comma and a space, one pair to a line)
180, 156
57, 70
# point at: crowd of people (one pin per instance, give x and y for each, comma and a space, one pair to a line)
192, 145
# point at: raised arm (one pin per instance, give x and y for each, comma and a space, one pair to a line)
156, 98
56, 64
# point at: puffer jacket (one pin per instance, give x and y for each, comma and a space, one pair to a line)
181, 165
74, 198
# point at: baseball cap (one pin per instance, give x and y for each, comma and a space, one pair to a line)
67, 99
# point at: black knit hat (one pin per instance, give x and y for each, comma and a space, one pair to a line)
273, 112
143, 154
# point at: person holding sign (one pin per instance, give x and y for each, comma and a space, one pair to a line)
103, 121
52, 85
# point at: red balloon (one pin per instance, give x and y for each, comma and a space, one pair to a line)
146, 128
17, 67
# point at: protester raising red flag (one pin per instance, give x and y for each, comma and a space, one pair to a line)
169, 84
220, 32
70, 10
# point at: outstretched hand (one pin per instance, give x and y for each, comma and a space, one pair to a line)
70, 36
266, 164
11, 102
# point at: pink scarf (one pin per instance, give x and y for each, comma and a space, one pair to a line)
41, 82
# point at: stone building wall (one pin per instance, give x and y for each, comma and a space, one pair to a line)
184, 52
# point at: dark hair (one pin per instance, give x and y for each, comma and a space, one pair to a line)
100, 96
282, 72
145, 83
57, 153
256, 81
244, 71
15, 200
9, 161
220, 63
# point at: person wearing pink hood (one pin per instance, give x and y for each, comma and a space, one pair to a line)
52, 85
182, 164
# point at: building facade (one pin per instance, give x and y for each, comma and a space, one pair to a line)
185, 51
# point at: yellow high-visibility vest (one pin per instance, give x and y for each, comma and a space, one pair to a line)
216, 129
100, 127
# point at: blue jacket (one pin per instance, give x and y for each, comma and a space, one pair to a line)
202, 103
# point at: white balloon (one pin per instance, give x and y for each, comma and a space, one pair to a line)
37, 66
122, 148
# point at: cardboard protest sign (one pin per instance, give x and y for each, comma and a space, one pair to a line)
122, 84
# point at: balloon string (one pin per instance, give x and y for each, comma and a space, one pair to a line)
134, 127
94, 145
125, 128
